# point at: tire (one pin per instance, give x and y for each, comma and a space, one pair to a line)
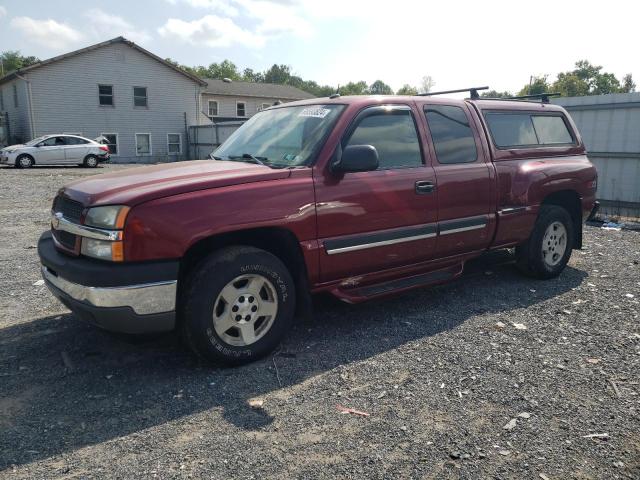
24, 161
548, 249
90, 161
220, 313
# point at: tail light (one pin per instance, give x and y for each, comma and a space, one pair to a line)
104, 148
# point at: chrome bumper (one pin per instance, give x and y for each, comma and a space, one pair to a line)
144, 299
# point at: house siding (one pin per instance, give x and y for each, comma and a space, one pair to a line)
227, 106
65, 99
19, 126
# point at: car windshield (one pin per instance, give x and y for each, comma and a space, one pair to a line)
35, 140
281, 137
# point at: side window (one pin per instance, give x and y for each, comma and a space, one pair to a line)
451, 134
140, 97
105, 95
394, 136
513, 130
551, 130
76, 141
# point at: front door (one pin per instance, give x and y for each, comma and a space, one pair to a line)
51, 151
466, 185
378, 220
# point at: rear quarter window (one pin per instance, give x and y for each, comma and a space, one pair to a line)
513, 130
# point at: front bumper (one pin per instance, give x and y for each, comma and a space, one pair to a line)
128, 298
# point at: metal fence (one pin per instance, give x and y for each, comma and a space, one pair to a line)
610, 128
203, 139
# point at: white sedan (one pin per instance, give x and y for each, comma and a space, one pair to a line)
55, 150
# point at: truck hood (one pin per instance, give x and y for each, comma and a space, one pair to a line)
137, 185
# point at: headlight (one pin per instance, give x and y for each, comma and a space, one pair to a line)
102, 249
111, 216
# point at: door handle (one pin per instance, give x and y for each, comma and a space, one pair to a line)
424, 186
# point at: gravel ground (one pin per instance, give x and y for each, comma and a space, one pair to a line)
492, 376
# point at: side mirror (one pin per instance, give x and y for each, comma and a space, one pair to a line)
357, 158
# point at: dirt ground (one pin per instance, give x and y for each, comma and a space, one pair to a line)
492, 376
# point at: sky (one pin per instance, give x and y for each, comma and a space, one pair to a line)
458, 43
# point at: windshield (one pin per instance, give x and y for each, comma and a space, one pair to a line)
34, 141
281, 137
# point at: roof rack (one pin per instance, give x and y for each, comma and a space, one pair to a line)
473, 92
543, 97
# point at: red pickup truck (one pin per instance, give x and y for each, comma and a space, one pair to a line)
361, 197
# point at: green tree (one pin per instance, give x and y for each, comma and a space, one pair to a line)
224, 69
537, 85
380, 88
407, 89
12, 60
628, 85
355, 88
496, 94
278, 74
248, 75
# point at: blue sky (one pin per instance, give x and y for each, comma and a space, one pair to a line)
458, 43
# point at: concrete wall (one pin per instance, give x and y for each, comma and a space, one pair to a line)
610, 128
65, 100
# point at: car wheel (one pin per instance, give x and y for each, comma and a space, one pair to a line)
237, 305
90, 161
547, 251
24, 161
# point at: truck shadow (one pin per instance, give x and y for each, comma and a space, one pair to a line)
67, 385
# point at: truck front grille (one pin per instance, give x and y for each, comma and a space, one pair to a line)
71, 209
66, 239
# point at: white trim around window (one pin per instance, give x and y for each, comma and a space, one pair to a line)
263, 106
138, 154
117, 144
179, 143
217, 110
238, 102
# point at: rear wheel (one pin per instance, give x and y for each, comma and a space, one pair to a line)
238, 305
24, 161
90, 161
548, 249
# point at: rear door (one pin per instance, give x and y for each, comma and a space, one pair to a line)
377, 220
466, 183
76, 149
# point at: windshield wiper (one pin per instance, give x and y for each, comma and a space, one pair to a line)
248, 156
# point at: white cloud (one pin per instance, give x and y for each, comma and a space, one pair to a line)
211, 30
276, 17
222, 6
3, 11
107, 25
47, 33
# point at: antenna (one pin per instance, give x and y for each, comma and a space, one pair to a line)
473, 92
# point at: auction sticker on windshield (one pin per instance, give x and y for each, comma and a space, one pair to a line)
317, 112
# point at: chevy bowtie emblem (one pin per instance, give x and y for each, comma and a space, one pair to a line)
55, 221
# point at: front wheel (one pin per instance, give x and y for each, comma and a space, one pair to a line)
547, 251
24, 161
238, 305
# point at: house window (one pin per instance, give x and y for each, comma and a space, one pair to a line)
213, 108
140, 97
111, 141
241, 109
174, 143
263, 106
105, 95
15, 95
143, 144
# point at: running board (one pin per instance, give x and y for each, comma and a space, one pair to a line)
357, 295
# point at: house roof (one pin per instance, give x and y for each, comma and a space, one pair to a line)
11, 75
254, 89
